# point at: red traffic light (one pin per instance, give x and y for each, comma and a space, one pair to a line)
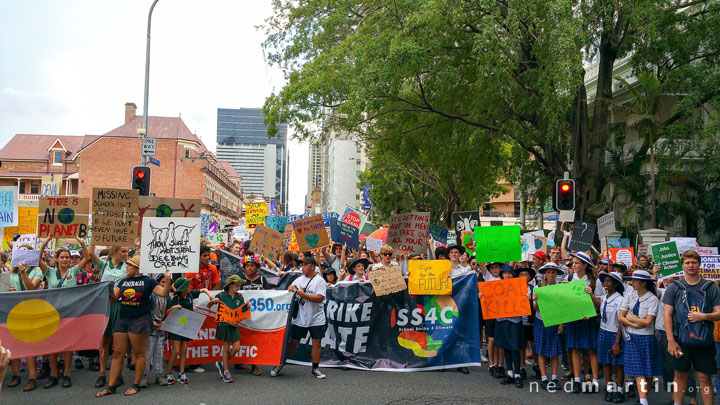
139, 174
565, 187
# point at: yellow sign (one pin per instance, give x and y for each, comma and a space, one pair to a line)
255, 214
27, 223
429, 277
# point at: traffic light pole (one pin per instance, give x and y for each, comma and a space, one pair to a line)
143, 158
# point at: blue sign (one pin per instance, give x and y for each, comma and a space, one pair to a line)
553, 217
438, 233
154, 161
344, 234
273, 207
366, 197
327, 216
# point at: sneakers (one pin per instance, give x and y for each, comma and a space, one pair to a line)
160, 380
317, 374
523, 374
227, 377
275, 371
507, 380
591, 388
144, 381
170, 379
500, 372
183, 378
219, 366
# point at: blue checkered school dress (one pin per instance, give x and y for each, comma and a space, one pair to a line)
582, 334
642, 357
605, 342
547, 340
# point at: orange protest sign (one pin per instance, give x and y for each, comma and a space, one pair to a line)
504, 298
232, 316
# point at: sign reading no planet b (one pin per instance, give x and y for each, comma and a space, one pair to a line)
63, 217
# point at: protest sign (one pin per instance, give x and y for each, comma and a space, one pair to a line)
582, 236
541, 244
266, 242
528, 245
498, 243
8, 206
170, 243
706, 250
51, 185
35, 242
204, 224
310, 233
387, 280
255, 214
710, 267
27, 223
184, 322
684, 244
232, 316
429, 277
438, 233
504, 298
27, 257
566, 216
666, 255
452, 236
466, 221
643, 249
606, 225
353, 218
345, 234
408, 233
169, 207
373, 245
115, 216
276, 223
625, 256
63, 217
566, 302
615, 243
5, 282
217, 239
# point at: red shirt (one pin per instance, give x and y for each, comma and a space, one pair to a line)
206, 278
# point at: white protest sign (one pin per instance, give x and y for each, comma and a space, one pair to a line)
528, 245
373, 245
184, 322
704, 251
26, 257
606, 225
567, 216
170, 242
684, 243
4, 281
35, 242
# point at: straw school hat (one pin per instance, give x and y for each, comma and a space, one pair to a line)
134, 261
615, 276
639, 275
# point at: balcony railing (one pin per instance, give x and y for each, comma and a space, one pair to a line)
36, 197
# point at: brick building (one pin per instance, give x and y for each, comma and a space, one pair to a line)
187, 168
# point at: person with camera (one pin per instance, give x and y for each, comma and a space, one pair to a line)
310, 291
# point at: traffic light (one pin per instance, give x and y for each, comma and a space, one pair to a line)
141, 180
565, 195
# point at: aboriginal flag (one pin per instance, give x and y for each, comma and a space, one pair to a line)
53, 321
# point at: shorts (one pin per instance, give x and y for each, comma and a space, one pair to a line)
490, 328
699, 358
140, 325
114, 315
227, 333
316, 332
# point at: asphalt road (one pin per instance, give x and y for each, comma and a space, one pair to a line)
295, 385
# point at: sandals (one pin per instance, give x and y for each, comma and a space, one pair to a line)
134, 389
107, 391
100, 382
256, 371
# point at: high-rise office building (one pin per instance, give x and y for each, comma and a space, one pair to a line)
262, 162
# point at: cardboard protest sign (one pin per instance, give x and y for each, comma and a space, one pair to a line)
566, 302
429, 277
276, 223
27, 257
666, 255
353, 218
232, 316
373, 245
541, 244
625, 256
217, 239
387, 280
643, 249
51, 185
684, 244
582, 236
310, 233
606, 225
466, 221
498, 243
344, 234
504, 298
115, 216
438, 233
408, 233
63, 217
566, 216
169, 207
8, 206
27, 223
615, 243
266, 242
255, 213
706, 250
184, 322
170, 243
528, 245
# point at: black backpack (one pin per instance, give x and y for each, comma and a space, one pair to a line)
693, 333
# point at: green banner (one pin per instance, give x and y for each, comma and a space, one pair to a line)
562, 303
498, 243
667, 257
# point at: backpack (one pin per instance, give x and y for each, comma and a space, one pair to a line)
693, 333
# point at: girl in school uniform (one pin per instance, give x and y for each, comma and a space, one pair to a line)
491, 272
582, 334
610, 341
510, 337
637, 313
527, 321
547, 340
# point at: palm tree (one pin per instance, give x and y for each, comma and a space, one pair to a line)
643, 117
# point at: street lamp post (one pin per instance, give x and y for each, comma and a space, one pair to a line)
147, 81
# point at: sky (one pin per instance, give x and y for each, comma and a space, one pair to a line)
67, 67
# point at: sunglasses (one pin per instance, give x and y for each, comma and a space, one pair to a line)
387, 254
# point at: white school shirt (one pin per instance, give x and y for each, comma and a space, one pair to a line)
610, 322
459, 270
659, 320
489, 277
599, 290
648, 306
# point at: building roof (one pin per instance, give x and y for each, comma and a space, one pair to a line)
35, 147
158, 127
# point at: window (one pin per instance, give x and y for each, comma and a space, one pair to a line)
57, 157
22, 187
357, 197
187, 152
357, 162
34, 187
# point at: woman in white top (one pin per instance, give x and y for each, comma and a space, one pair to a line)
638, 312
610, 342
